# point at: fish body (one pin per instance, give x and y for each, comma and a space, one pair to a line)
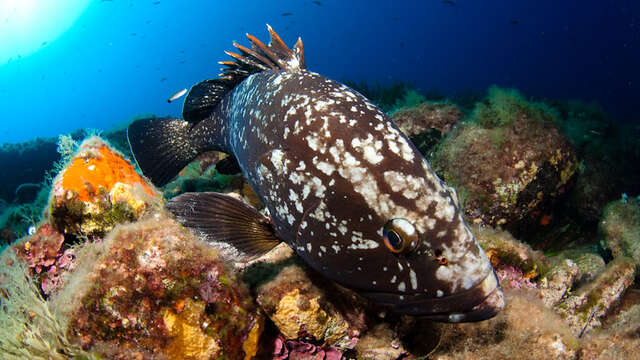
177, 95
342, 186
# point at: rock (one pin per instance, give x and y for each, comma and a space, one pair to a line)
620, 226
504, 250
525, 329
620, 341
426, 123
202, 175
301, 309
380, 343
152, 287
584, 308
508, 159
45, 257
557, 282
590, 265
97, 190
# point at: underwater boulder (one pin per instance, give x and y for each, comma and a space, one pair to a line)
557, 282
525, 329
508, 159
98, 189
425, 124
516, 263
151, 287
585, 308
620, 227
304, 306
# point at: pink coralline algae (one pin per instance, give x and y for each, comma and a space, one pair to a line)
301, 350
210, 289
511, 277
44, 257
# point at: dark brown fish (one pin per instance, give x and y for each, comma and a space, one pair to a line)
340, 182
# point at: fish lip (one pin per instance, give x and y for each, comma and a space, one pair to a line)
480, 302
488, 308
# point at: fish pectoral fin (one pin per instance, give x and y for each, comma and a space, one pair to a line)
203, 98
222, 218
228, 166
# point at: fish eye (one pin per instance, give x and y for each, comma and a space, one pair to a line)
399, 235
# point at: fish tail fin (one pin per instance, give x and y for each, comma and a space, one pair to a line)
261, 57
163, 146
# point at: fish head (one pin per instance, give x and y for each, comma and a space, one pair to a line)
417, 257
388, 227
412, 252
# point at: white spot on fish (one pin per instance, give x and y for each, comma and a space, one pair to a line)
414, 279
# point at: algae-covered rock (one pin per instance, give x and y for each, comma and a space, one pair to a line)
508, 159
98, 189
619, 341
584, 308
557, 282
300, 308
503, 249
525, 329
620, 226
425, 124
152, 287
202, 175
380, 343
590, 265
45, 257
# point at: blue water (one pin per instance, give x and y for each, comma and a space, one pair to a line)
123, 58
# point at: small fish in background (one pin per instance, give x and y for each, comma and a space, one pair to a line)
449, 2
286, 14
342, 185
156, 3
177, 95
317, 3
44, 43
514, 22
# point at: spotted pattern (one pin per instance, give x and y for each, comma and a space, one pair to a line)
332, 169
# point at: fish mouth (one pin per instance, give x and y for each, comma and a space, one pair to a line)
480, 302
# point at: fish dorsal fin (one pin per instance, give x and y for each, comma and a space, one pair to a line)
203, 97
261, 57
223, 219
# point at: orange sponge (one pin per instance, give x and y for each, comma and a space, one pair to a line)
97, 190
103, 169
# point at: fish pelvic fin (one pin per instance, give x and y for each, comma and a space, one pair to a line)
163, 146
224, 219
261, 57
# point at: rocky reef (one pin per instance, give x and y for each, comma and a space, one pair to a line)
106, 273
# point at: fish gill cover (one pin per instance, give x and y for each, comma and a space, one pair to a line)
528, 110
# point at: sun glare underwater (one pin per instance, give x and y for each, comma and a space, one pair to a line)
323, 179
28, 25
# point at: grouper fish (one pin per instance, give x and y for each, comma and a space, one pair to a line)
340, 183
